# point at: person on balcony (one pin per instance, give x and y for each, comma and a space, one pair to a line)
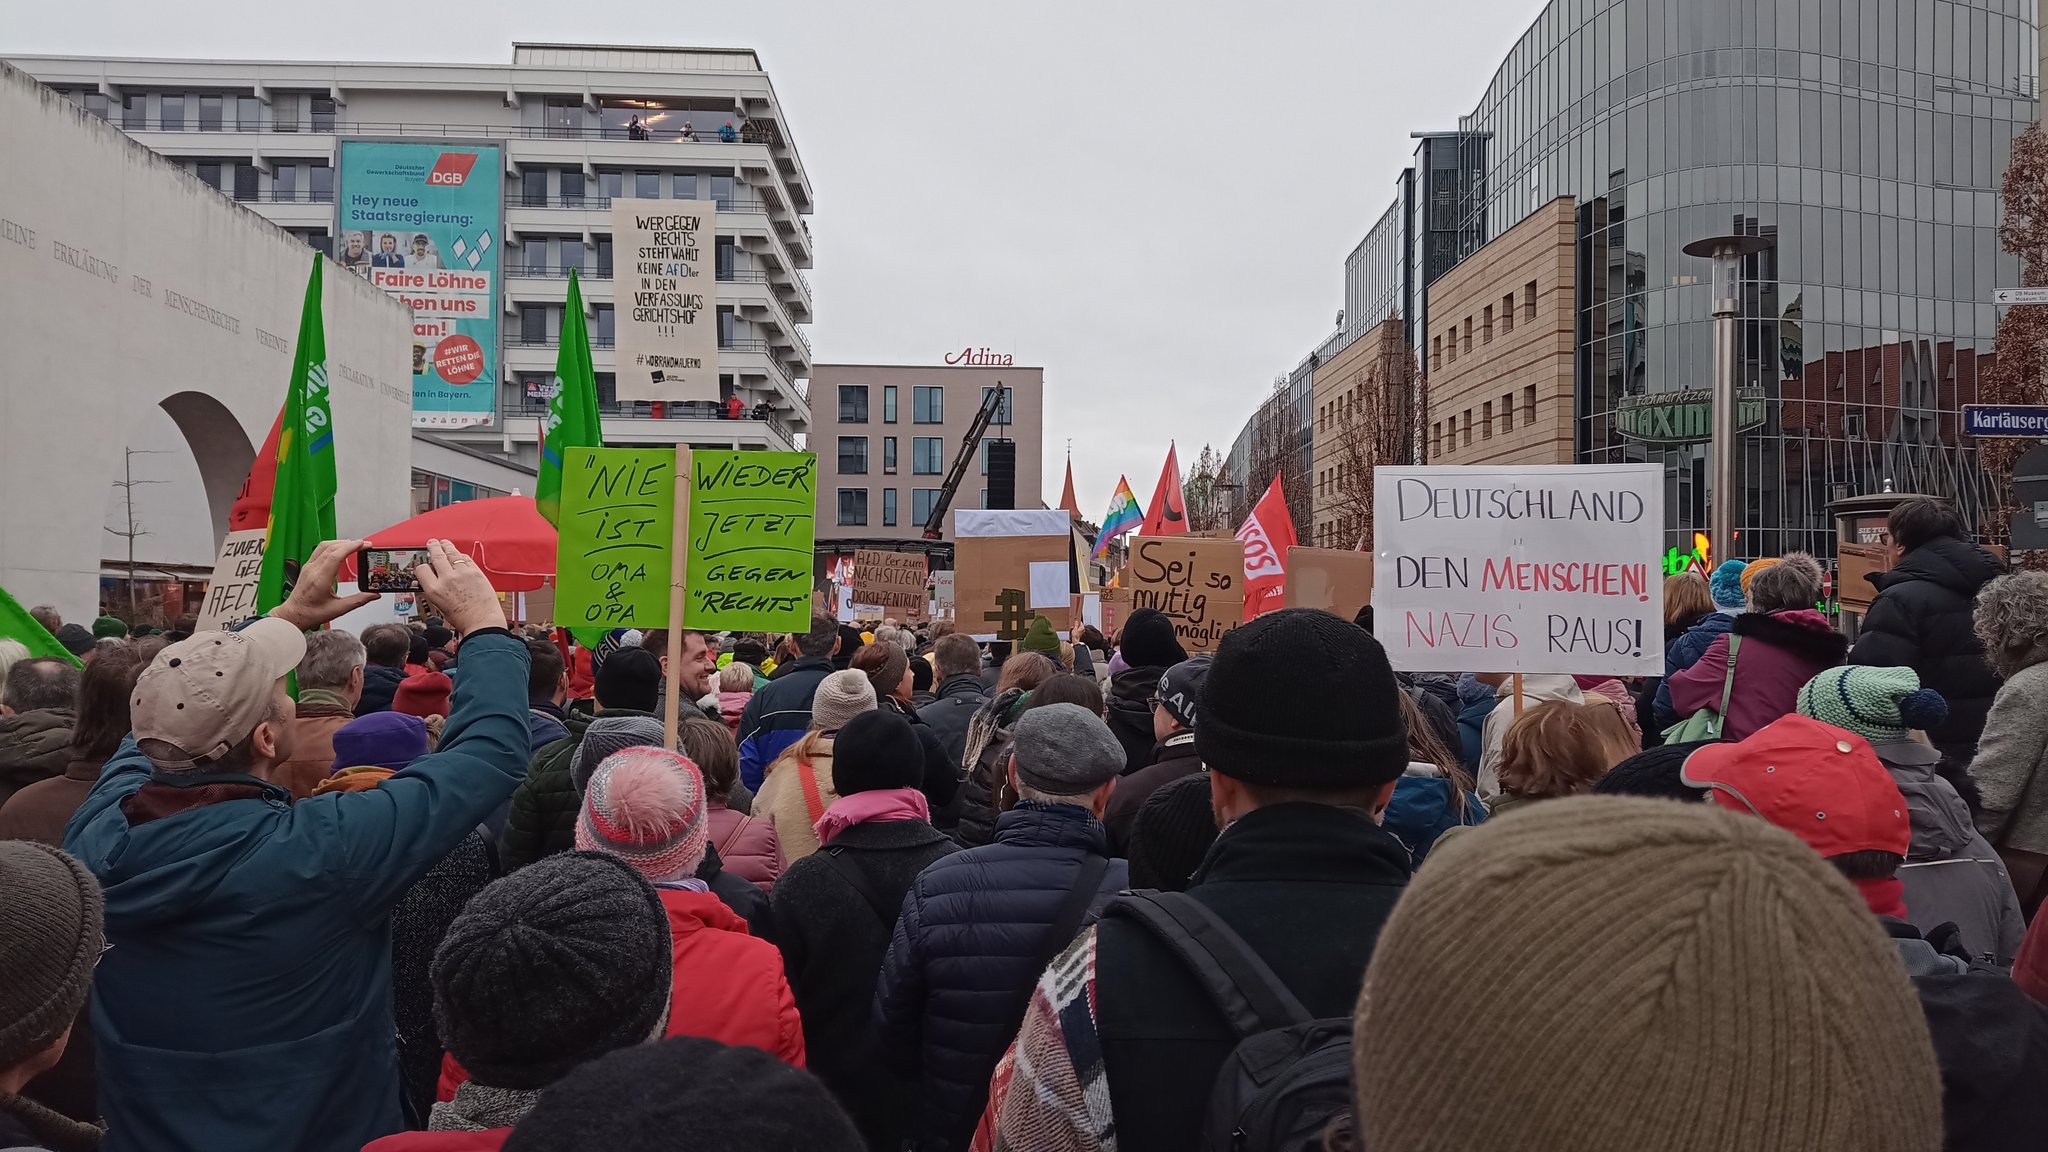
636, 130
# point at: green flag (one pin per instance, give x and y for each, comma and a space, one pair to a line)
17, 624
302, 509
572, 411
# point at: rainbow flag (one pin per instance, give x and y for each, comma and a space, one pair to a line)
1123, 515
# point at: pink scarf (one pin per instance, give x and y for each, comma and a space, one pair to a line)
862, 807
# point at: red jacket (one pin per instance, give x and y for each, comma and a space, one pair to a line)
728, 985
487, 1141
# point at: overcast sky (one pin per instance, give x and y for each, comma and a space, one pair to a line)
1153, 201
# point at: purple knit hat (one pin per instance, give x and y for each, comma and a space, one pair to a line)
380, 740
646, 806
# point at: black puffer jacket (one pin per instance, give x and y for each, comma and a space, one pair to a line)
1130, 713
957, 699
380, 685
1922, 620
969, 947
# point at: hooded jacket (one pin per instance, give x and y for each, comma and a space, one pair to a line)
1683, 653
1129, 701
380, 684
778, 715
1780, 652
729, 986
1921, 620
955, 701
34, 746
746, 843
2012, 797
1951, 874
968, 950
1421, 810
1174, 758
246, 1002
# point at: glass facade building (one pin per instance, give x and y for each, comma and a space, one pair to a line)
1865, 139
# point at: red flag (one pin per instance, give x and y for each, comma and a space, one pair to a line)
1267, 534
1169, 510
252, 504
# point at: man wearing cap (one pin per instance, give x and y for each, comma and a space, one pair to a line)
979, 926
1174, 707
1303, 755
246, 1001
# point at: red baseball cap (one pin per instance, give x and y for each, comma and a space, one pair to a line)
1816, 781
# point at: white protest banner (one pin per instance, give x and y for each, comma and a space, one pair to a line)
231, 594
666, 295
1520, 569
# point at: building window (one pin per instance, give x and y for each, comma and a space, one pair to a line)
208, 172
172, 118
984, 456
853, 455
533, 188
248, 114
1436, 353
1486, 326
1486, 421
245, 182
647, 185
612, 184
927, 455
928, 405
1507, 313
1468, 428
95, 104
888, 403
1436, 437
533, 324
1002, 415
685, 184
721, 192
724, 257
853, 507
284, 114
320, 183
888, 507
135, 111
1529, 300
889, 455
572, 187
284, 182
209, 113
323, 113
604, 258
1528, 405
922, 501
572, 255
1507, 412
853, 403
607, 327
1451, 441
728, 328
1465, 345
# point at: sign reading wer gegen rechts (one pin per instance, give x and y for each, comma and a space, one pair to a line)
1520, 569
665, 296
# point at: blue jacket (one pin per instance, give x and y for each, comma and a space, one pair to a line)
777, 715
1472, 731
1685, 652
245, 1003
1421, 811
967, 953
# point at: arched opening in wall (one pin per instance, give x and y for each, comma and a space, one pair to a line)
167, 505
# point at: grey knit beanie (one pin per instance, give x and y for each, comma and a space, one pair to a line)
840, 697
51, 936
1739, 994
606, 735
559, 963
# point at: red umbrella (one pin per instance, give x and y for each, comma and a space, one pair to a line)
505, 535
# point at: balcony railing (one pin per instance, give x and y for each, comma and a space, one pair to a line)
518, 340
731, 204
604, 272
531, 407
320, 125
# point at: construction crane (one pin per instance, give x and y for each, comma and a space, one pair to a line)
990, 405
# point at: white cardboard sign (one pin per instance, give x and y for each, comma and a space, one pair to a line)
1520, 569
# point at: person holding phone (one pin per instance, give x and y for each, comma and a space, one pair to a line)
253, 938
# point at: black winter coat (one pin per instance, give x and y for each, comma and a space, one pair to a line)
743, 896
1921, 620
1130, 713
1170, 761
1307, 886
958, 698
417, 926
967, 951
833, 940
941, 772
380, 684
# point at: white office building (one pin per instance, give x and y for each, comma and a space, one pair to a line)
575, 125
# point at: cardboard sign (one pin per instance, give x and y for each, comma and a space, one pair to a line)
1116, 608
1520, 569
1856, 563
1196, 581
752, 528
231, 594
1335, 580
993, 553
895, 581
616, 538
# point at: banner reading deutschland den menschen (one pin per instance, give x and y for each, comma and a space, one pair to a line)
421, 221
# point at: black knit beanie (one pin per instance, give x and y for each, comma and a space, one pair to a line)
550, 967
1171, 834
875, 750
1148, 640
1301, 699
629, 678
686, 1092
1653, 773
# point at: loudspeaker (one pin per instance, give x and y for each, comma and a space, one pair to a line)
1002, 473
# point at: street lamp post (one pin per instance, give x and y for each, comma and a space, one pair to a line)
1727, 253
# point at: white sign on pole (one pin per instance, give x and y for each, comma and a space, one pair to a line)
1520, 569
942, 592
2019, 296
231, 594
666, 299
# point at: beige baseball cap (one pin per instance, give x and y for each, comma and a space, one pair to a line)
204, 695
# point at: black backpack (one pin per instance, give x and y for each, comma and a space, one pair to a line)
1290, 1074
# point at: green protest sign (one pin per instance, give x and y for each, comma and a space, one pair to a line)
752, 526
617, 532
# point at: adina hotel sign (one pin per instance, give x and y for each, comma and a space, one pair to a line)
971, 357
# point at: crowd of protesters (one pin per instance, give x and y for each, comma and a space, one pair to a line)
292, 888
